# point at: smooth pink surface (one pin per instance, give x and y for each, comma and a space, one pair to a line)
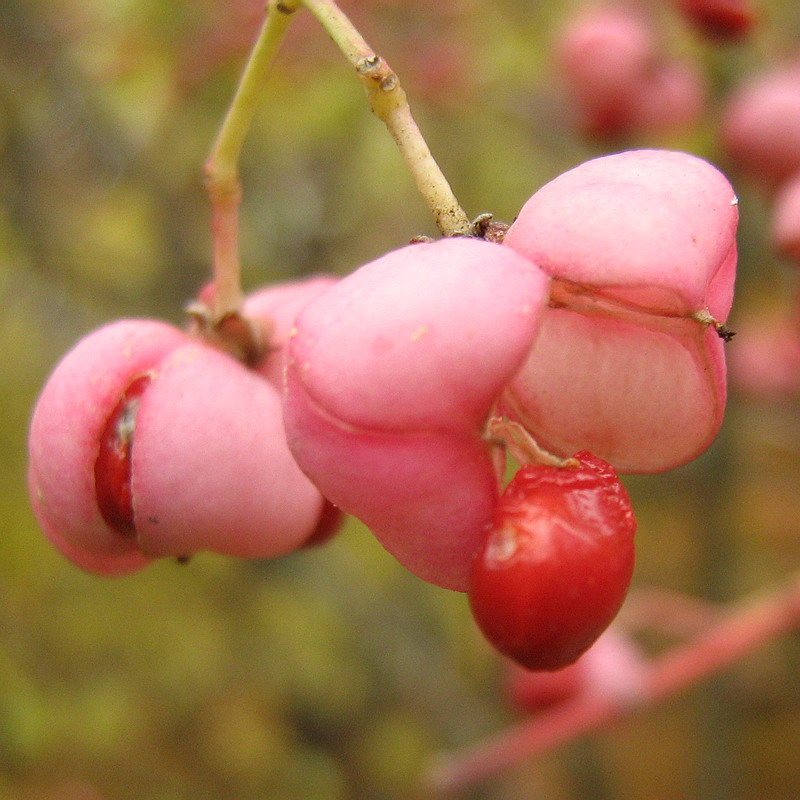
420, 338
761, 126
650, 228
612, 45
426, 496
391, 377
210, 466
765, 357
64, 439
641, 398
277, 307
785, 223
674, 98
605, 56
617, 77
636, 243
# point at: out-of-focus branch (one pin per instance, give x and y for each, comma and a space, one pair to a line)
737, 633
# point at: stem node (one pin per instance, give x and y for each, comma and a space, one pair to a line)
389, 103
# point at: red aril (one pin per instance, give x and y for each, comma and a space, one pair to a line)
556, 565
112, 469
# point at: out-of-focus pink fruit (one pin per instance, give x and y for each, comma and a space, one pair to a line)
603, 56
727, 20
766, 359
637, 244
391, 377
673, 100
785, 221
144, 443
761, 126
534, 690
617, 79
612, 667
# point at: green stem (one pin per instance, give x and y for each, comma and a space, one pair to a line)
389, 103
222, 167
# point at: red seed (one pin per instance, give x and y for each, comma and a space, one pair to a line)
112, 469
556, 565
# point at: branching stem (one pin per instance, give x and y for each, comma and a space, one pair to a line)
387, 100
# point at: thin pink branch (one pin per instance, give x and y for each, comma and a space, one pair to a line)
671, 613
739, 632
226, 198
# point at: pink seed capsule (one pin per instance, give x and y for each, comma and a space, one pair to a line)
629, 364
760, 126
391, 376
618, 79
605, 57
145, 443
68, 423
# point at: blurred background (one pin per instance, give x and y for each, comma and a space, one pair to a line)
334, 674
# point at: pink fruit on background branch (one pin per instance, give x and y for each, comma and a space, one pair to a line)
641, 247
617, 78
760, 127
674, 99
145, 443
557, 562
613, 666
785, 223
603, 56
391, 377
766, 362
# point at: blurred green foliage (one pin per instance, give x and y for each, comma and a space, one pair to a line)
329, 674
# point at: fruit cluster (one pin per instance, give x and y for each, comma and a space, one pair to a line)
394, 393
620, 80
619, 77
760, 136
